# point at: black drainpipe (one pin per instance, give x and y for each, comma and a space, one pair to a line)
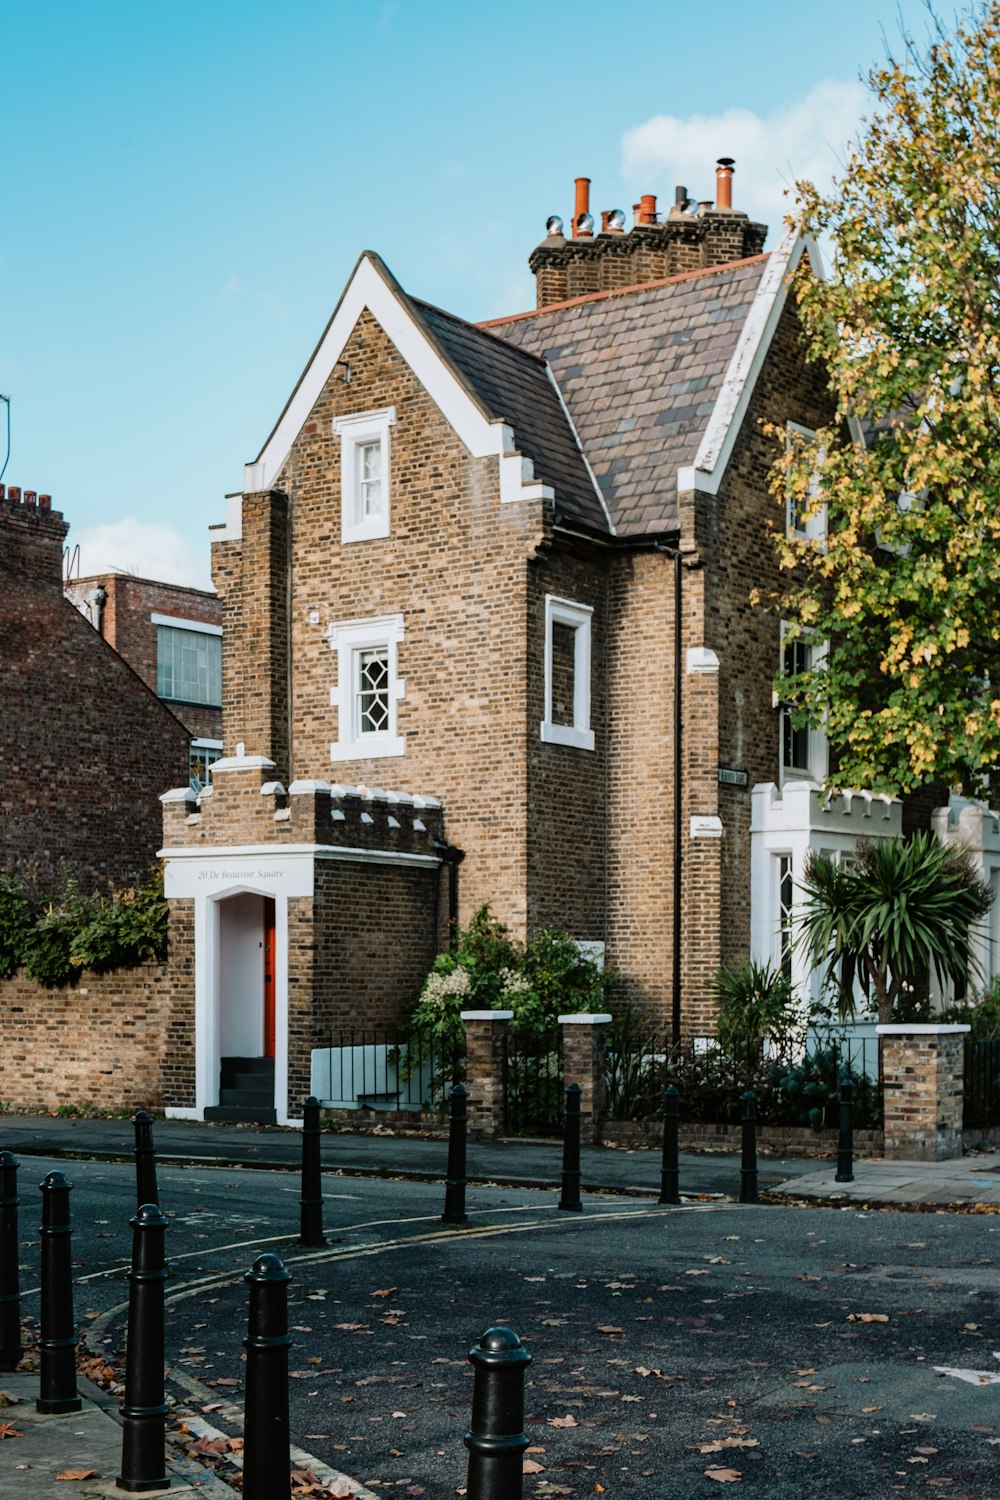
678, 820
675, 978
452, 857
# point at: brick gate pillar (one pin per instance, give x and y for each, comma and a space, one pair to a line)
584, 1052
485, 1031
922, 1075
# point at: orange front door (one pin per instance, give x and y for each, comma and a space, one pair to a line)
269, 949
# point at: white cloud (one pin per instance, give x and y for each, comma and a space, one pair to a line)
144, 549
805, 138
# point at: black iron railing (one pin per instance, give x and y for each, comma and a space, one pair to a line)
981, 1102
533, 1082
385, 1068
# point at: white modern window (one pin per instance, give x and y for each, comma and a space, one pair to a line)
203, 754
806, 519
368, 687
567, 673
188, 661
803, 748
364, 473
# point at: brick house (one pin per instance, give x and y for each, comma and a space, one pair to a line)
85, 745
488, 638
172, 637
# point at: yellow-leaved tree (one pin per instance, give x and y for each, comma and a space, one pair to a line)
904, 589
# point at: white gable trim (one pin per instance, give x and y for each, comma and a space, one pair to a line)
705, 474
483, 436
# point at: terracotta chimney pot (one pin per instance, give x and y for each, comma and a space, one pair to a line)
582, 205
724, 182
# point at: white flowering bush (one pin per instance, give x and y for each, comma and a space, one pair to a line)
538, 980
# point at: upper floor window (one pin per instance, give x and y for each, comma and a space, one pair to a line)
803, 749
188, 661
368, 687
567, 673
364, 473
805, 517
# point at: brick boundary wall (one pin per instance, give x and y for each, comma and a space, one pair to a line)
484, 1079
922, 1078
584, 1058
99, 1044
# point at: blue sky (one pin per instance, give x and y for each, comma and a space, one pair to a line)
187, 187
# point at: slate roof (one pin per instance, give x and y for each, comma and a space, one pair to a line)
639, 372
514, 384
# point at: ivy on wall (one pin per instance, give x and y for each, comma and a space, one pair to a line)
55, 939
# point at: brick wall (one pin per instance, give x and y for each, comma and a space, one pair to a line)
455, 566
126, 625
102, 1043
85, 747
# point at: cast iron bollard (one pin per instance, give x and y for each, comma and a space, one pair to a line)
748, 1171
454, 1192
267, 1469
11, 1348
311, 1202
57, 1338
670, 1172
145, 1160
496, 1440
570, 1200
144, 1410
845, 1143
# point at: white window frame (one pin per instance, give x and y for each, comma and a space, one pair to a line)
579, 618
354, 432
348, 639
815, 528
818, 747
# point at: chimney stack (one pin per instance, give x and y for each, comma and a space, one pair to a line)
685, 239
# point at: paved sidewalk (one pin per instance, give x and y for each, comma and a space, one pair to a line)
53, 1450
517, 1163
967, 1180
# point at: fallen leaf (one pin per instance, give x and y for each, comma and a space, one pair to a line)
724, 1476
8, 1430
386, 1292
567, 1421
531, 1467
868, 1317
77, 1474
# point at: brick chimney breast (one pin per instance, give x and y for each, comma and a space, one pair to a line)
655, 248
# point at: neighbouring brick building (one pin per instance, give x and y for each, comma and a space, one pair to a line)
488, 638
85, 746
171, 636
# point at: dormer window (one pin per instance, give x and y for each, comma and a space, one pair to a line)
364, 473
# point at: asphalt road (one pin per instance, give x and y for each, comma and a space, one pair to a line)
796, 1348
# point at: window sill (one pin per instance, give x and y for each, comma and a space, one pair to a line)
373, 748
567, 734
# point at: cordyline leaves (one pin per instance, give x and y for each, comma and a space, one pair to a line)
901, 909
906, 587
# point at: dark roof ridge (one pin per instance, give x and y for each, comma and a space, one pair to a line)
442, 312
623, 291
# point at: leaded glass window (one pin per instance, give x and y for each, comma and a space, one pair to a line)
373, 690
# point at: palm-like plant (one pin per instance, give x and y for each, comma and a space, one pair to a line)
902, 909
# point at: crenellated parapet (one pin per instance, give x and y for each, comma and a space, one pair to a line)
245, 806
